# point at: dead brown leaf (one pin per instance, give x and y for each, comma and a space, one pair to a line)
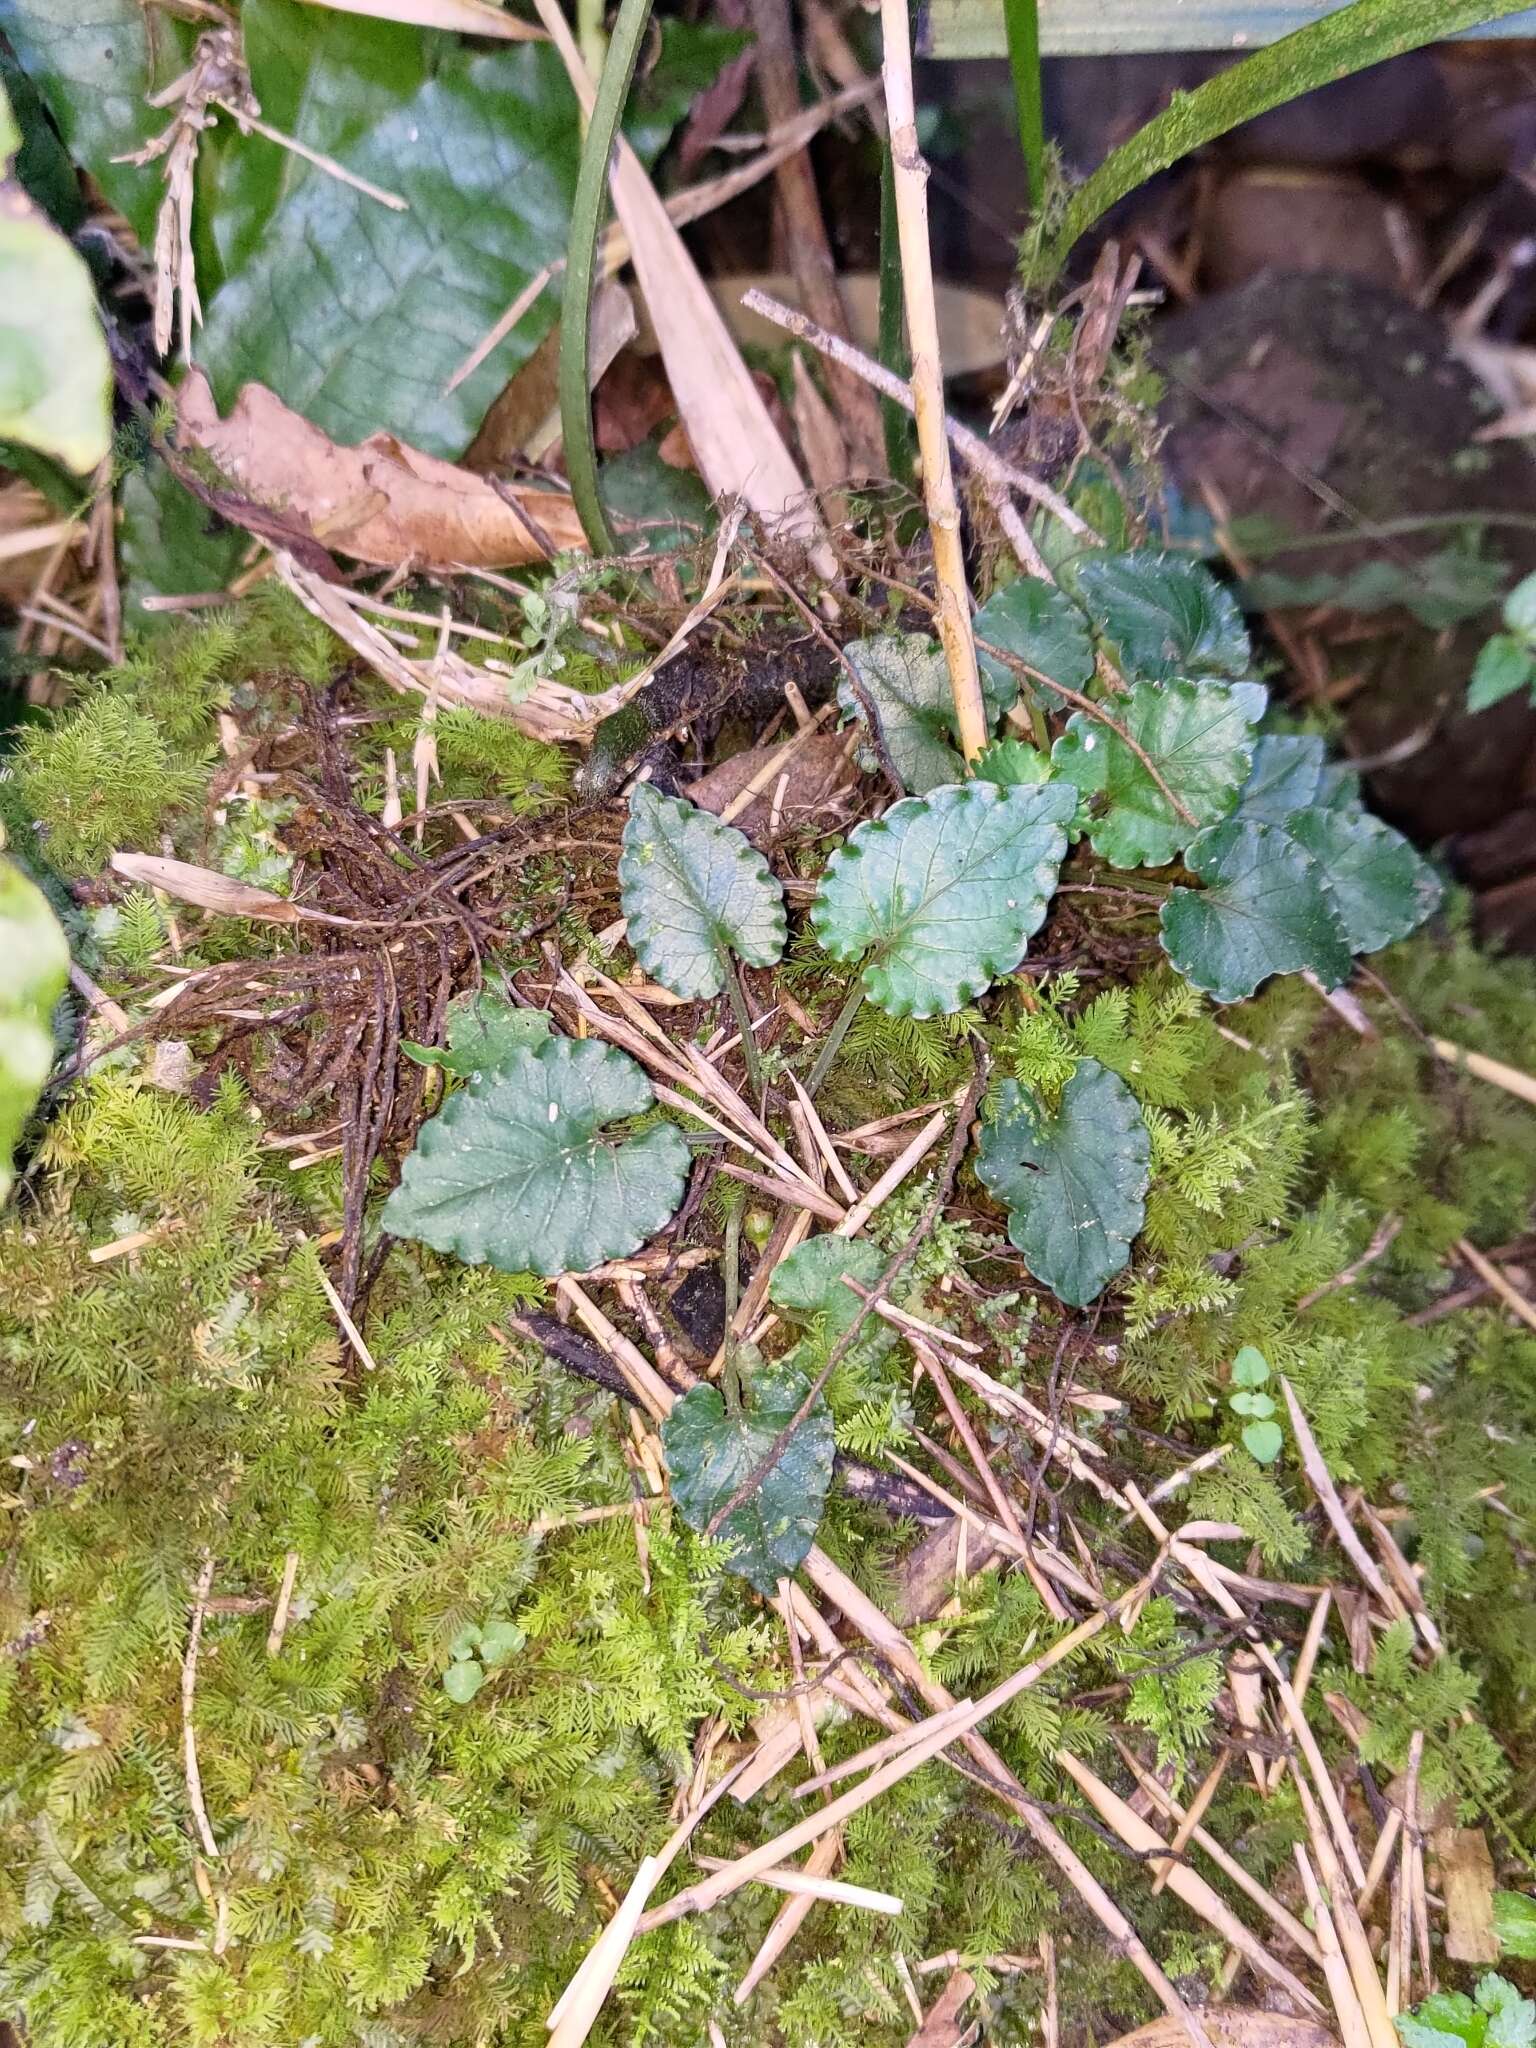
943, 2027
1466, 1879
819, 770
205, 888
383, 501
1234, 2026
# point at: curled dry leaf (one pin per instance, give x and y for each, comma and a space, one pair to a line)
383, 501
204, 887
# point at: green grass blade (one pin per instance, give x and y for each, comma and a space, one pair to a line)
1357, 36
1022, 21
576, 315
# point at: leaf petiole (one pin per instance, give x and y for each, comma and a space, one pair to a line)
744, 1026
852, 1003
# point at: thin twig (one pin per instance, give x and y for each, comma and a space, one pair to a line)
194, 1776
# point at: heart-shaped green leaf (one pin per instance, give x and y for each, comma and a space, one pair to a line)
1378, 885
694, 892
1039, 623
906, 680
515, 1170
462, 1680
710, 1452
1250, 1368
1265, 910
944, 892
1249, 1401
1263, 1440
1163, 616
482, 1030
1075, 1182
36, 958
809, 1283
1198, 739
1287, 775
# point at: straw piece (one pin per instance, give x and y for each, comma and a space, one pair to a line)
808, 1884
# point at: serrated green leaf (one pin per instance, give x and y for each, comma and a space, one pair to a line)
1039, 623
1286, 776
1511, 2017
1378, 885
1197, 738
1504, 664
1074, 1182
516, 1171
1012, 764
34, 969
482, 1030
1263, 1441
1444, 2018
1163, 616
1250, 1368
906, 679
943, 894
809, 1283
1514, 1922
695, 891
710, 1452
1265, 910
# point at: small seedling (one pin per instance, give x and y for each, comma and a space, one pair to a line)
476, 1651
1263, 1438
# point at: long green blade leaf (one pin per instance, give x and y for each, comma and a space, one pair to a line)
1358, 36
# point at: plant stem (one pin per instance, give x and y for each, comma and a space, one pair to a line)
892, 342
852, 1003
581, 260
730, 1274
911, 181
1332, 48
743, 1016
1022, 21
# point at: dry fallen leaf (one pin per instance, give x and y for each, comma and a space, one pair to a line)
1467, 1881
383, 501
944, 2027
817, 773
1233, 2026
205, 888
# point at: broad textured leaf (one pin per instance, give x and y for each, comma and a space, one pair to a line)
1377, 883
1503, 665
1265, 910
809, 1283
1163, 616
1075, 1182
1514, 1922
1286, 776
483, 1032
694, 891
517, 1171
95, 62
944, 892
1039, 623
906, 679
1511, 2018
710, 1453
55, 376
1197, 737
34, 968
1446, 2019
1012, 764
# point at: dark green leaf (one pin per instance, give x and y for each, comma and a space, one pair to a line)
1504, 665
483, 1030
1514, 1922
1075, 1182
95, 62
1265, 910
710, 1452
1378, 885
516, 1170
944, 892
653, 502
809, 1283
1263, 1441
1286, 776
170, 545
1039, 623
906, 680
1163, 616
1439, 590
694, 891
1197, 738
